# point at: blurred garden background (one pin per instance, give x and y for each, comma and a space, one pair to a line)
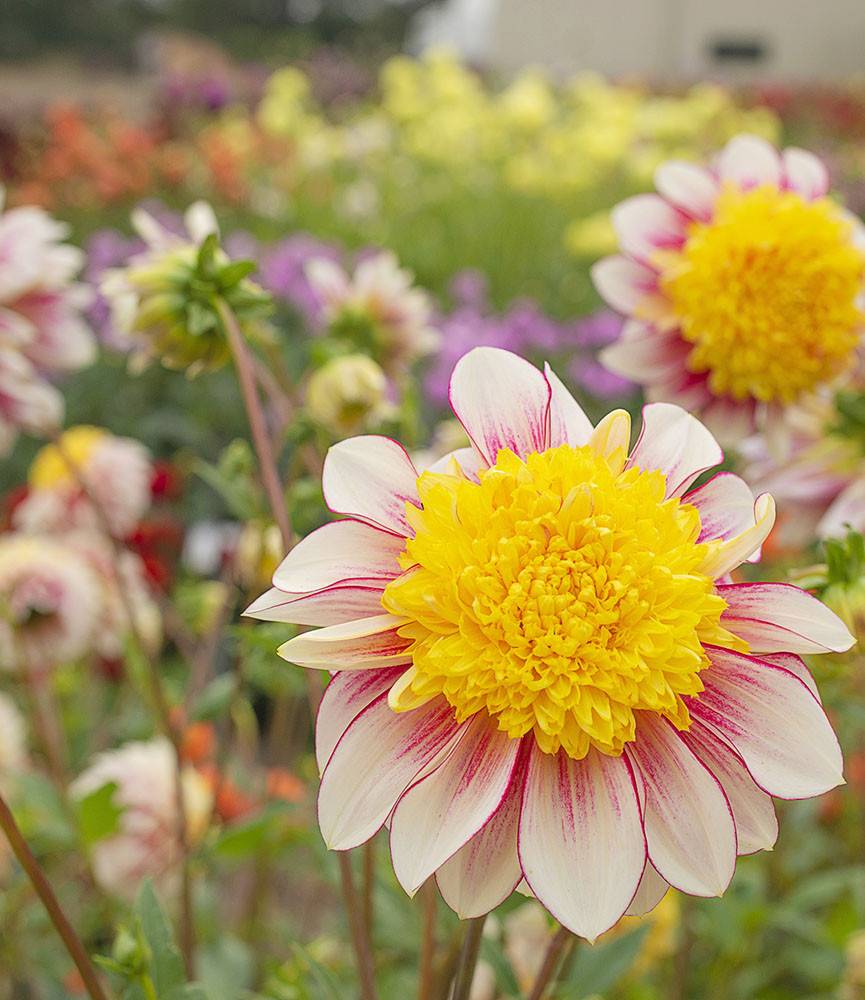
483, 144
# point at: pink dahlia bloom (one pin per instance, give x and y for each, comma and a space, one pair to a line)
146, 844
742, 283
42, 330
543, 675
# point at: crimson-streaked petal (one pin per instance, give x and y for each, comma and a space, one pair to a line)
805, 173
568, 423
581, 841
733, 551
676, 443
375, 760
689, 824
344, 698
726, 506
753, 809
650, 892
372, 479
796, 665
749, 161
778, 727
645, 223
330, 606
486, 870
440, 813
502, 401
364, 644
623, 283
778, 617
337, 552
689, 187
643, 354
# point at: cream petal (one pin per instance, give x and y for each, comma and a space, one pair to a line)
726, 506
733, 551
612, 434
568, 423
623, 283
331, 606
675, 443
690, 188
749, 161
805, 173
647, 223
650, 892
364, 644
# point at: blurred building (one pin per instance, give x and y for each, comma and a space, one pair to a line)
737, 40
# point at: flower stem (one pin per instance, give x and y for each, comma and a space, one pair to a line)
368, 884
359, 931
46, 720
426, 978
49, 900
557, 951
468, 958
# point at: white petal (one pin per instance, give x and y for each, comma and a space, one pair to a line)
440, 813
677, 444
650, 892
338, 552
644, 355
796, 665
689, 187
344, 698
774, 722
200, 221
364, 644
486, 870
753, 810
846, 511
581, 841
468, 460
376, 759
749, 161
689, 824
726, 506
623, 283
805, 172
568, 423
371, 478
502, 401
778, 617
732, 552
646, 223
331, 606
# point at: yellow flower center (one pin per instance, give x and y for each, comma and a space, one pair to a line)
767, 294
50, 468
561, 594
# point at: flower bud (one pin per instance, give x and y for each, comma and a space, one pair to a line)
348, 395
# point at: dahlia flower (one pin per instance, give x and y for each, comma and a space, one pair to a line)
347, 394
49, 602
116, 471
145, 844
377, 308
743, 283
42, 332
543, 675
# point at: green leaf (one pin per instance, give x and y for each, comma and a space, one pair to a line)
166, 965
326, 986
99, 814
597, 968
232, 274
215, 698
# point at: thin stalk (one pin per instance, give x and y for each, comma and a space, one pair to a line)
426, 976
47, 723
469, 958
49, 900
368, 884
359, 931
163, 713
557, 951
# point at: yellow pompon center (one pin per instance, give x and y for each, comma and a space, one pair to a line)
767, 294
560, 594
50, 468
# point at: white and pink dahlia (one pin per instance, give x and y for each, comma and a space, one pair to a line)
42, 330
116, 471
145, 843
743, 283
543, 673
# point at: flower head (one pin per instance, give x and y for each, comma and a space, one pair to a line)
42, 331
743, 283
116, 471
49, 602
163, 300
347, 394
145, 842
377, 308
543, 673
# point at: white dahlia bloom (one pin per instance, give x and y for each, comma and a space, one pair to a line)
146, 844
42, 330
377, 308
743, 283
49, 602
542, 672
117, 472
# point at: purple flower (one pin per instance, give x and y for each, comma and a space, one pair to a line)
106, 248
282, 272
